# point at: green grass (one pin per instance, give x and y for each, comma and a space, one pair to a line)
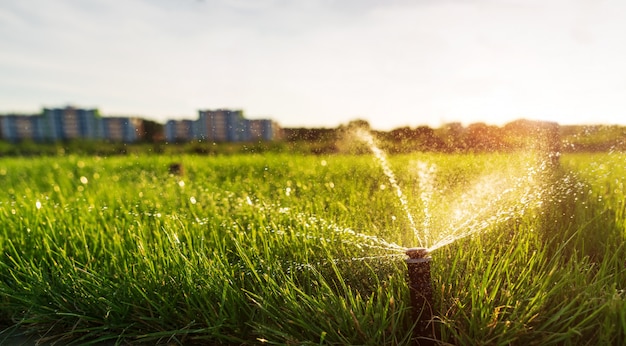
276, 249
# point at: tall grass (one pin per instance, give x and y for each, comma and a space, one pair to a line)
286, 249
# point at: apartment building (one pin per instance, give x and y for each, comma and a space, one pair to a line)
69, 123
262, 129
16, 127
122, 129
179, 130
221, 125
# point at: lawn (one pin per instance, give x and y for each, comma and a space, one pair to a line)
298, 249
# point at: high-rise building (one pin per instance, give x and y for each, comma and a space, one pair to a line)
221, 125
70, 123
224, 125
121, 129
262, 129
14, 127
179, 130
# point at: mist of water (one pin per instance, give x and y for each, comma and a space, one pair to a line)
349, 235
490, 200
426, 179
367, 138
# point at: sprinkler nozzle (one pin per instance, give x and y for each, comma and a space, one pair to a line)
417, 252
418, 265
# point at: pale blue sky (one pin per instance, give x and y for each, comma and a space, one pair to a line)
320, 62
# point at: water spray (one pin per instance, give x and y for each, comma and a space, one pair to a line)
418, 265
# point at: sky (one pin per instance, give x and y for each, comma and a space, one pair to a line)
320, 63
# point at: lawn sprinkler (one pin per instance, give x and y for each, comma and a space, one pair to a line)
176, 169
418, 265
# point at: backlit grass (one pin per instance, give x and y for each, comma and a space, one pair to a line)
287, 249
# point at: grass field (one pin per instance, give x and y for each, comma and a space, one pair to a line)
289, 249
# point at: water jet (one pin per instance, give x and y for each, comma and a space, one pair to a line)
418, 265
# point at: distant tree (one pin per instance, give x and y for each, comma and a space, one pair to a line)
401, 134
452, 135
483, 138
359, 124
428, 139
152, 131
401, 140
529, 134
348, 140
309, 134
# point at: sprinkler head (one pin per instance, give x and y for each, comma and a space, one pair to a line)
417, 252
418, 265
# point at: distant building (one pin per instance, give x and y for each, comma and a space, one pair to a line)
179, 130
14, 127
262, 129
70, 123
220, 125
122, 129
223, 125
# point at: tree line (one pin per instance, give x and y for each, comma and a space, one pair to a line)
477, 137
449, 138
